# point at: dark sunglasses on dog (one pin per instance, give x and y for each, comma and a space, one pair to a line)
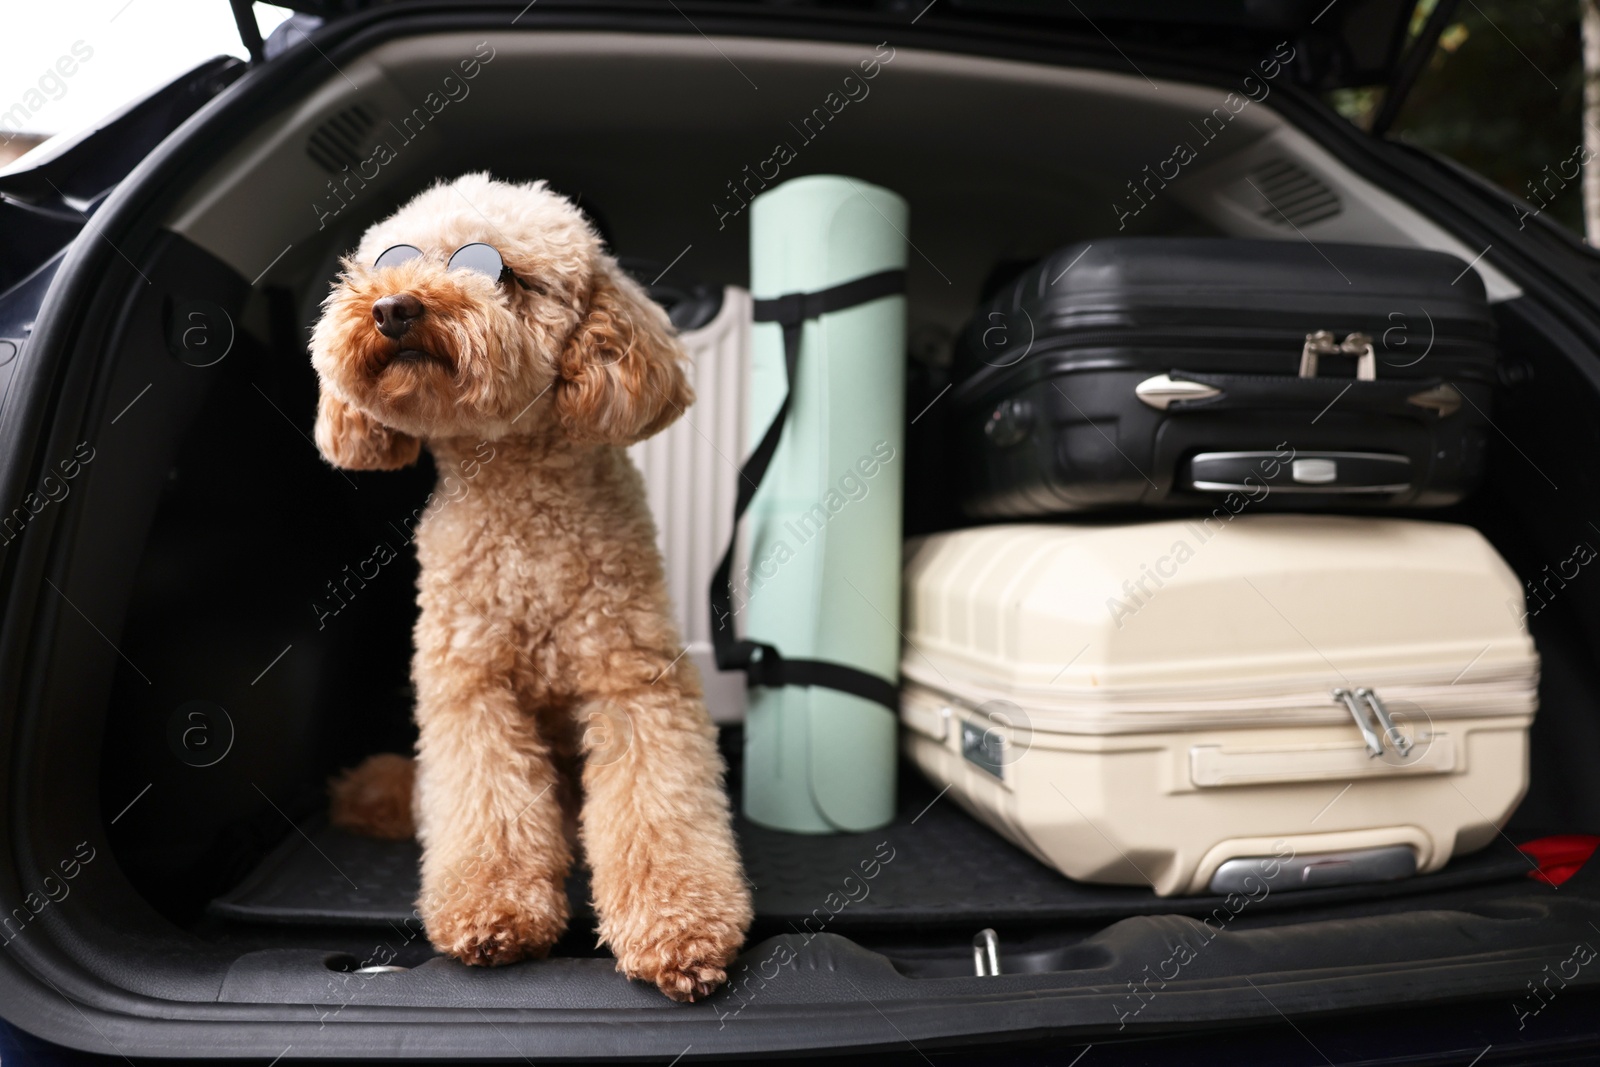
479, 257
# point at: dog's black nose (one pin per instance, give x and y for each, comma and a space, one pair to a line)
395, 314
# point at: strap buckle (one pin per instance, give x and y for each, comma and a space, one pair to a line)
763, 665
1323, 343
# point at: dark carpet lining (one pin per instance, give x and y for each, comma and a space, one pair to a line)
938, 867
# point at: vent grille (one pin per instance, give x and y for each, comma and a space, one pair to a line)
1292, 195
341, 141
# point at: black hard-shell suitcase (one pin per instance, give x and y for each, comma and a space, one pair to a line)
1184, 372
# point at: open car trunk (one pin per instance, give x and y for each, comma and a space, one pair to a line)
175, 699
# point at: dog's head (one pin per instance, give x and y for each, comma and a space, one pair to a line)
483, 308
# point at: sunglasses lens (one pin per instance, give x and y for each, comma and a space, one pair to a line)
478, 257
393, 257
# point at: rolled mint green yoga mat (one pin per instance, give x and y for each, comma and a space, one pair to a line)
823, 578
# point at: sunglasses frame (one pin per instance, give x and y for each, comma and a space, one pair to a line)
506, 273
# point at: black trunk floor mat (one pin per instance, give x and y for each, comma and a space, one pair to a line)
934, 865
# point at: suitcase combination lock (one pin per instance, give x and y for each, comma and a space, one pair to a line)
1358, 702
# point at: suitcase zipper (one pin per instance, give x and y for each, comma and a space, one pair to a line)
1353, 701
1401, 743
1323, 343
1511, 692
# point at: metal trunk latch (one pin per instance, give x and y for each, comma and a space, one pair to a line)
1323, 343
986, 953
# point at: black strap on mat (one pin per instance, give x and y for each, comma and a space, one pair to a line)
762, 664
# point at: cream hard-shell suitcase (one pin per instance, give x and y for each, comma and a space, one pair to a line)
1190, 704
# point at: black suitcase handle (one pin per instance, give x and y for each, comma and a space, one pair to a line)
1426, 399
1422, 399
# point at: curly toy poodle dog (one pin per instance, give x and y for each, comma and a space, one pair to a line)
486, 321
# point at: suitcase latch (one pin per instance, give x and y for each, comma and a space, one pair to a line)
1162, 390
1323, 343
1358, 702
983, 748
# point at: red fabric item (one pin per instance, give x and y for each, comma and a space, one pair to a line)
1559, 857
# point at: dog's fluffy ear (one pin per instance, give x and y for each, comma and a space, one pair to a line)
356, 441
621, 373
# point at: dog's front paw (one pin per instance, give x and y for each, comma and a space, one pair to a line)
679, 933
497, 922
686, 966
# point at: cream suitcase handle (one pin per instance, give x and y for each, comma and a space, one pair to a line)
1215, 765
1212, 766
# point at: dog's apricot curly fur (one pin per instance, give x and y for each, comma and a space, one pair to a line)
544, 649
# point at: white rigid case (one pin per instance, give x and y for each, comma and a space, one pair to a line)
1139, 704
691, 477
